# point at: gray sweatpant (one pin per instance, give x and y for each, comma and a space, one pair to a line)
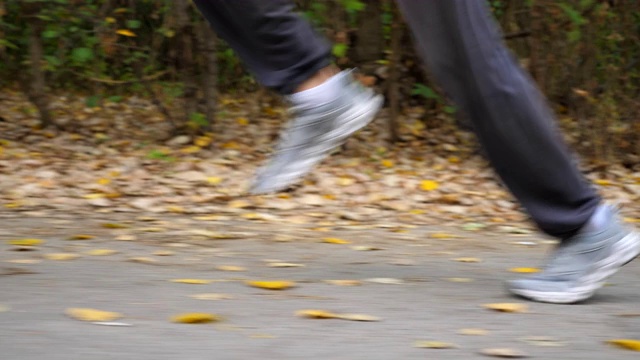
462, 46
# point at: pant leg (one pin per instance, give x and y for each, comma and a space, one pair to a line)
279, 47
462, 45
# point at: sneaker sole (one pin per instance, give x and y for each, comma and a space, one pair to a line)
624, 251
362, 116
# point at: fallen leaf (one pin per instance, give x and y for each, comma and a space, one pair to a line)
4, 308
101, 252
86, 314
524, 270
143, 260
211, 296
24, 261
391, 281
192, 281
61, 256
344, 282
429, 185
442, 236
504, 353
163, 253
628, 344
473, 332
126, 237
467, 260
272, 285
114, 226
544, 341
25, 242
195, 318
317, 314
331, 240
507, 307
358, 317
284, 265
434, 345
81, 237
230, 268
262, 336
365, 248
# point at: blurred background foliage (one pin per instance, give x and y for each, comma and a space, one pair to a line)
584, 54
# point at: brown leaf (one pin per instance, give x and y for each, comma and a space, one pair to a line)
504, 353
507, 307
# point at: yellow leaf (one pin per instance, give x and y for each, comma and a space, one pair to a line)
231, 145
242, 121
214, 180
175, 209
331, 240
507, 307
417, 212
429, 185
12, 205
94, 196
316, 314
524, 270
211, 296
387, 163
203, 141
110, 20
192, 281
344, 282
603, 182
114, 226
239, 204
92, 315
190, 149
26, 242
81, 237
104, 181
125, 32
61, 256
442, 236
453, 159
473, 332
346, 181
230, 268
195, 318
253, 216
434, 345
101, 252
272, 285
629, 344
467, 260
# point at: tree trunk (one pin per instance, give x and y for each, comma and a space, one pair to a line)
210, 75
394, 65
185, 56
35, 88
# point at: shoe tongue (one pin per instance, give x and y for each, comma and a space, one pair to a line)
598, 221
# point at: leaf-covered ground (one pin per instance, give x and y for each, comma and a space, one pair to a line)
114, 158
